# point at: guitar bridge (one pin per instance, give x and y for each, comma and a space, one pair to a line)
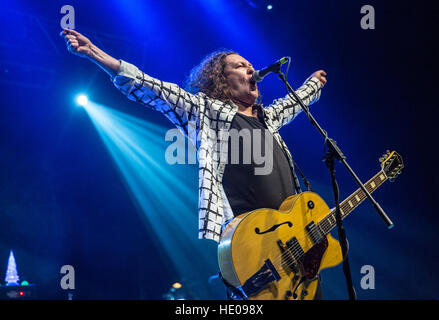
261, 278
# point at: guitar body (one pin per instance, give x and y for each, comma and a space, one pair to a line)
251, 256
270, 254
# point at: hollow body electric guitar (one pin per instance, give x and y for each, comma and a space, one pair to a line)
269, 254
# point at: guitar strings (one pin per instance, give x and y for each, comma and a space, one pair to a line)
292, 254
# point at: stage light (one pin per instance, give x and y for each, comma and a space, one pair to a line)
138, 149
269, 7
82, 100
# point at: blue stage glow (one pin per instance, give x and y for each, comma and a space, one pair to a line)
82, 100
165, 194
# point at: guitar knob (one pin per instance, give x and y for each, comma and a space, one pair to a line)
304, 293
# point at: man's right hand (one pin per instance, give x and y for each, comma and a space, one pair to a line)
82, 47
77, 43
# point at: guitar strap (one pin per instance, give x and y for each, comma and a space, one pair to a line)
308, 185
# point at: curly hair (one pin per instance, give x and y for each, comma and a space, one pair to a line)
208, 77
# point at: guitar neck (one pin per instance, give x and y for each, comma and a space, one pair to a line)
351, 202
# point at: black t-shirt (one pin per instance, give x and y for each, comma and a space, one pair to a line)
247, 191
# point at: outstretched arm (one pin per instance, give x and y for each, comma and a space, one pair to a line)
81, 46
284, 110
179, 106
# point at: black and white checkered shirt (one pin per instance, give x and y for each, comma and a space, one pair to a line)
202, 120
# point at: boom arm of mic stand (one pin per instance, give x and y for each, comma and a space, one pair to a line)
339, 155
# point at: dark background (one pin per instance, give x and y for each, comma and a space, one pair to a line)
63, 201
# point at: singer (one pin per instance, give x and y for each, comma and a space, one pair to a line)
221, 95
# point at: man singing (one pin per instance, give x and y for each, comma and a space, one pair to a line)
223, 97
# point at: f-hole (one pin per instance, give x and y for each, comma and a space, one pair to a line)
273, 227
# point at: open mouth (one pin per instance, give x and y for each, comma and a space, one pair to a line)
253, 85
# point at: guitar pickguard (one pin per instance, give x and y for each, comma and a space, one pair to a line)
313, 257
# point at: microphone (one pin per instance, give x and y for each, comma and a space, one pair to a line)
259, 75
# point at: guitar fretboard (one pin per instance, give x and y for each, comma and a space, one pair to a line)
348, 205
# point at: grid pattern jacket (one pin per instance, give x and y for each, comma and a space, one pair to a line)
202, 120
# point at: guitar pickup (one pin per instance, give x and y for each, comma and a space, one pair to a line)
290, 263
295, 249
314, 233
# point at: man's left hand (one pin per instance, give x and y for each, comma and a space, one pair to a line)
321, 75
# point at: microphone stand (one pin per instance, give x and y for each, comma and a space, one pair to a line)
334, 153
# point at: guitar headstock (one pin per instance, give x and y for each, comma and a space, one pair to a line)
391, 163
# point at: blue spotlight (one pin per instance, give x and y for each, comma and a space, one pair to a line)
138, 148
269, 7
82, 100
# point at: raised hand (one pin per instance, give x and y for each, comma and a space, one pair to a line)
321, 75
81, 46
77, 43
